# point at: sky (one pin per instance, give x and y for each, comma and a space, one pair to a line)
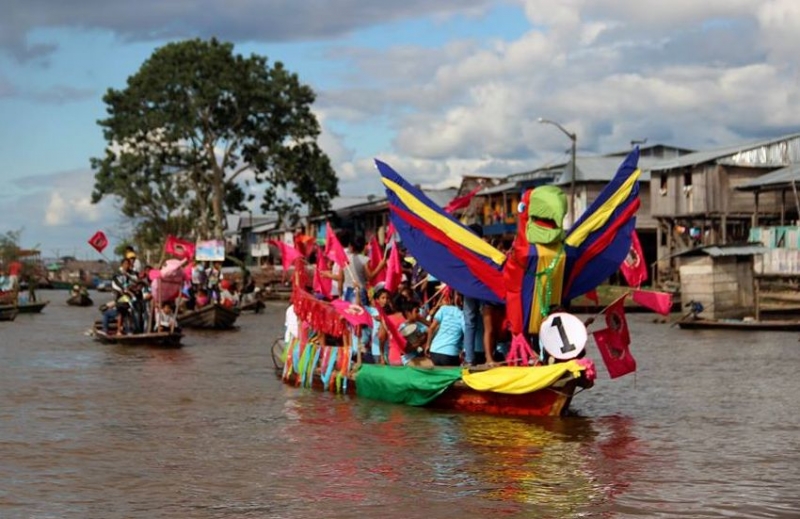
436, 88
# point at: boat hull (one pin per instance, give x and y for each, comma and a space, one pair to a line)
155, 339
8, 313
214, 317
550, 401
32, 308
80, 301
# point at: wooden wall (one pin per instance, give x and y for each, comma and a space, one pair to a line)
724, 285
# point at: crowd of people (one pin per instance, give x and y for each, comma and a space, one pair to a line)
421, 322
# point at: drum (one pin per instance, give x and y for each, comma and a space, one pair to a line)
414, 336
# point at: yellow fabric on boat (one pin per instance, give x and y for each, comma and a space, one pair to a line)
517, 380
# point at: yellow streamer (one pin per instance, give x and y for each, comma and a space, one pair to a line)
519, 380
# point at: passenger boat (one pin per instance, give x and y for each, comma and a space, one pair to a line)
212, 316
8, 312
156, 339
323, 363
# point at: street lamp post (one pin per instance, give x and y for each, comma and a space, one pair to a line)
574, 138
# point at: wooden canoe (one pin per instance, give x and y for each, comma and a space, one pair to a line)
155, 339
701, 323
32, 308
80, 300
214, 316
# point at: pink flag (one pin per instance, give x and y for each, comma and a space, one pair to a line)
334, 249
288, 253
375, 257
322, 285
633, 268
660, 302
99, 241
461, 202
394, 270
353, 314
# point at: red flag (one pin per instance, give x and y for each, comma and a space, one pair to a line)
322, 285
659, 302
99, 241
633, 268
389, 231
334, 249
591, 295
304, 243
353, 314
461, 202
288, 254
375, 257
394, 270
613, 341
179, 248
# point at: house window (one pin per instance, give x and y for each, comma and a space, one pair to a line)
662, 190
687, 178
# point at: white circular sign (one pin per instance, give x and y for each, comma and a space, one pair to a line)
563, 336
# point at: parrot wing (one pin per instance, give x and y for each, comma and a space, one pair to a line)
442, 245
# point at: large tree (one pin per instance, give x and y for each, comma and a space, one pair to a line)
194, 124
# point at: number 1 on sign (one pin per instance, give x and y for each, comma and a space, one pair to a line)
566, 345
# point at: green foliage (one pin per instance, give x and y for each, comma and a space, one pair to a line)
192, 123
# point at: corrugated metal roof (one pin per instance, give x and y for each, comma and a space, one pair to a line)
714, 155
505, 187
778, 179
715, 251
601, 169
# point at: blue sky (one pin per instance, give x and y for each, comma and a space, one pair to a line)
435, 88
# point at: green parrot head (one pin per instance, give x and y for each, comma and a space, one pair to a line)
547, 207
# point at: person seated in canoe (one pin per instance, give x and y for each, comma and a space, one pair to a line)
165, 318
201, 299
228, 295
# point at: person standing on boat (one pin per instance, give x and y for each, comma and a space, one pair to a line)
213, 279
136, 264
446, 333
121, 285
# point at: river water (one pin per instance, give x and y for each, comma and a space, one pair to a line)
708, 427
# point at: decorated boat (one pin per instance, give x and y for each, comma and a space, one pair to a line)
166, 339
532, 284
212, 316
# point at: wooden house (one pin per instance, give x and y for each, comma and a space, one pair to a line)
721, 279
695, 200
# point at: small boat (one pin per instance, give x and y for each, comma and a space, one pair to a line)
156, 339
80, 300
254, 305
702, 323
34, 307
8, 312
212, 316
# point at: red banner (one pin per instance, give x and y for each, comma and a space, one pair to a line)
99, 241
394, 270
659, 302
375, 257
179, 248
333, 248
634, 269
614, 341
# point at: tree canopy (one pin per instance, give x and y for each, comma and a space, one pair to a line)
195, 124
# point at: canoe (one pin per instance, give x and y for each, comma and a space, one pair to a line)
80, 300
537, 391
256, 305
32, 308
701, 323
8, 312
155, 339
214, 316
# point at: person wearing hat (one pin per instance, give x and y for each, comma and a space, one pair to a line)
136, 264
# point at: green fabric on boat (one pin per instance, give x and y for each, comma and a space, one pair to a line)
404, 384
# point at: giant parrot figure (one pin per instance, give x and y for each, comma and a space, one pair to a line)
546, 267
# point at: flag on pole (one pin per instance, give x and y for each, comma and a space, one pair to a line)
99, 241
333, 248
659, 302
394, 270
179, 248
461, 202
614, 341
634, 269
288, 254
322, 285
375, 257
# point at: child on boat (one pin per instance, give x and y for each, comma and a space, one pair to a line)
165, 318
